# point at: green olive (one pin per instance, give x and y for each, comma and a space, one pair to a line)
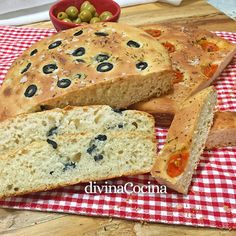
95, 20
72, 12
62, 15
84, 5
90, 8
66, 20
77, 21
105, 15
85, 16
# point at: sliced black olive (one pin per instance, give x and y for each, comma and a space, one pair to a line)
63, 83
53, 143
54, 44
98, 157
78, 52
33, 52
80, 76
120, 126
30, 91
104, 67
69, 165
80, 60
133, 44
101, 34
118, 110
51, 172
101, 137
102, 57
142, 65
48, 69
52, 131
78, 33
26, 68
91, 149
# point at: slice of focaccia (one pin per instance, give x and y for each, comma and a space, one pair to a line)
185, 141
223, 131
105, 63
21, 130
197, 56
67, 160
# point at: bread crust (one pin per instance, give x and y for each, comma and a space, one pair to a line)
223, 131
187, 132
107, 64
189, 57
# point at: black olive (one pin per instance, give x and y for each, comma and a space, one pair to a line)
33, 52
53, 143
51, 172
78, 52
26, 68
133, 44
80, 60
63, 83
30, 91
54, 44
120, 126
48, 69
78, 33
80, 76
142, 65
118, 110
104, 67
98, 157
102, 57
101, 137
52, 131
101, 34
69, 165
91, 149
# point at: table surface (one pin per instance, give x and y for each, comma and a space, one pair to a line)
15, 222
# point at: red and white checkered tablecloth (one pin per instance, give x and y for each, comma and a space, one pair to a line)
212, 198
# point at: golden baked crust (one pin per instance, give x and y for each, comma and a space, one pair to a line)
104, 63
197, 56
186, 137
223, 131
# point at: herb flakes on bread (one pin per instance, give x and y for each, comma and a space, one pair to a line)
185, 141
104, 63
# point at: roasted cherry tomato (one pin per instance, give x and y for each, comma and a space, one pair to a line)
177, 163
170, 47
178, 76
210, 70
208, 46
154, 33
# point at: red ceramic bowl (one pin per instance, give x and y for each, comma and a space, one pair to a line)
101, 6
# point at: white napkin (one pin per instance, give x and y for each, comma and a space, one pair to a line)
20, 12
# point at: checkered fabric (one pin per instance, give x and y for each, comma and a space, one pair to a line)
211, 201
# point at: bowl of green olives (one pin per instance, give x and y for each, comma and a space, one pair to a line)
67, 14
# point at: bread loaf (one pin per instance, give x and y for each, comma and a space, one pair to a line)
223, 131
185, 141
103, 63
23, 129
198, 57
71, 159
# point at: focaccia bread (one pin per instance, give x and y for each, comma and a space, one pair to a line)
72, 159
197, 56
223, 131
21, 130
103, 63
185, 141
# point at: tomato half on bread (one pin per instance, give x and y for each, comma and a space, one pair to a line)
177, 163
